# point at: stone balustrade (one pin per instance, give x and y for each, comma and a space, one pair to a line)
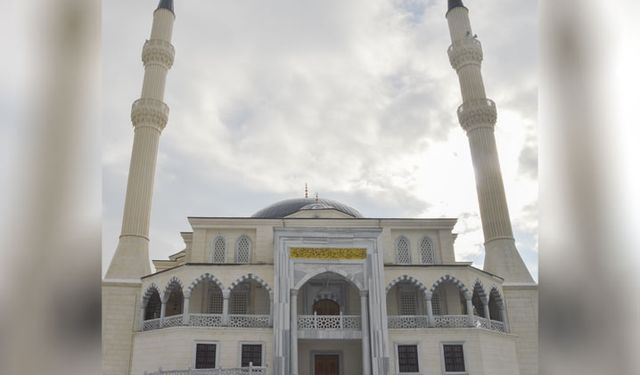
443, 321
251, 370
320, 322
210, 320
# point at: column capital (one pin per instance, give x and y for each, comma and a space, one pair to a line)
294, 292
226, 294
364, 293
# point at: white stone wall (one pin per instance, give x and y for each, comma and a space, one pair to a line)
522, 311
350, 352
485, 352
174, 348
119, 305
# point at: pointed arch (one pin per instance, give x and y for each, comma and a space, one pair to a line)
256, 278
206, 276
243, 249
427, 253
478, 288
497, 308
403, 250
450, 279
148, 292
349, 277
218, 249
409, 279
172, 283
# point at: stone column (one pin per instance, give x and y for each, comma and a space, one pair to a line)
430, 322
185, 309
487, 312
293, 305
470, 310
141, 320
503, 317
225, 306
163, 309
366, 352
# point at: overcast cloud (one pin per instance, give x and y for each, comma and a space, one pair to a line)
356, 97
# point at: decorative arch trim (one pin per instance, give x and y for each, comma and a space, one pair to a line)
337, 271
167, 290
248, 277
201, 278
149, 292
450, 279
494, 292
406, 278
479, 287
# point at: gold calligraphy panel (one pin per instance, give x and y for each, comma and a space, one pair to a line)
327, 253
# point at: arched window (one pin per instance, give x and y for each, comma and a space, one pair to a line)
219, 250
403, 253
436, 304
426, 251
243, 250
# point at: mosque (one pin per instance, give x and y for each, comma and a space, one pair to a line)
310, 286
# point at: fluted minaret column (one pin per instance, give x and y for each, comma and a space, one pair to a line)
149, 116
477, 116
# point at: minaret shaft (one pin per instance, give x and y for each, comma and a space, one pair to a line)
149, 116
477, 116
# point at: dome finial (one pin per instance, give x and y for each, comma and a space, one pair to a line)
306, 190
317, 198
166, 4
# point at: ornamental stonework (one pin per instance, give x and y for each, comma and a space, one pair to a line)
158, 52
479, 113
149, 112
468, 51
327, 253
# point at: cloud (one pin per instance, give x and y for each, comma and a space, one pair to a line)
356, 98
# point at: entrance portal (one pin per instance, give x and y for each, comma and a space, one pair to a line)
327, 364
326, 307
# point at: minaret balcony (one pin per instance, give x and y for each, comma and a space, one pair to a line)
149, 112
477, 113
464, 52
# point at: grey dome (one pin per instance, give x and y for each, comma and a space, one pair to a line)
289, 206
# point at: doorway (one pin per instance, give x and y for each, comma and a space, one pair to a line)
326, 364
326, 307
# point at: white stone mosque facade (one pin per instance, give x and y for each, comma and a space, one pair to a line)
309, 286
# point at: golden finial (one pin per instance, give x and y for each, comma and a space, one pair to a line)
306, 190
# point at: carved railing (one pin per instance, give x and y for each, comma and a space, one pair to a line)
151, 324
450, 321
210, 320
251, 370
205, 320
498, 326
319, 322
408, 321
249, 321
172, 321
480, 322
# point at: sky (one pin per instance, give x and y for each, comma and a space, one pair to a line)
355, 98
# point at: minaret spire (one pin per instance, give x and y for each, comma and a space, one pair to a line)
149, 116
477, 116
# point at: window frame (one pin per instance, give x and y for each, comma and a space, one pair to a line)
397, 249
397, 356
464, 357
213, 249
263, 351
237, 249
206, 342
433, 250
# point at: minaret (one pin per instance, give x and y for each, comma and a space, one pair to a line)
477, 116
121, 287
149, 116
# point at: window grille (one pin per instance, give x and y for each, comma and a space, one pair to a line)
215, 300
239, 300
426, 251
205, 355
251, 354
408, 303
243, 250
402, 251
453, 358
435, 304
408, 358
219, 249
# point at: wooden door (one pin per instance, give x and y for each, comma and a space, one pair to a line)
327, 364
